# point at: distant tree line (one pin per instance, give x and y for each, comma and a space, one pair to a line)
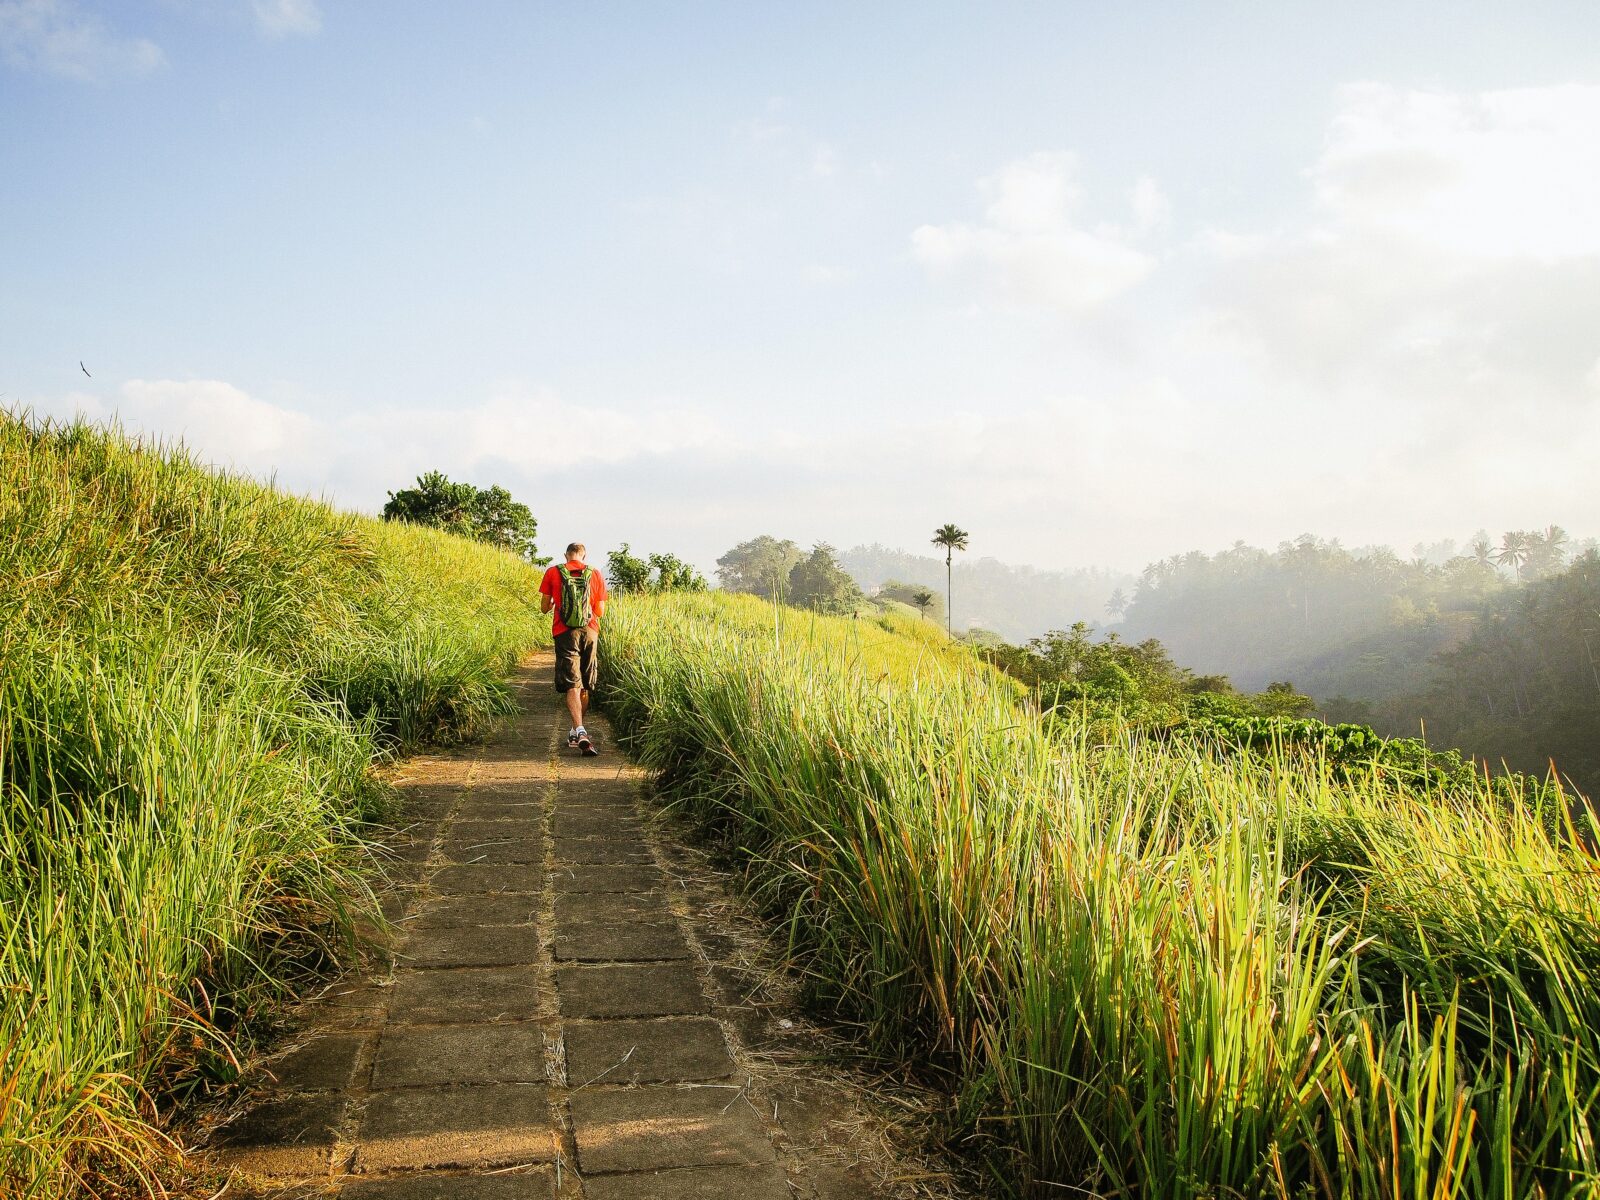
780, 570
1015, 602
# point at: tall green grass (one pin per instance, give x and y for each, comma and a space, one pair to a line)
196, 676
1141, 969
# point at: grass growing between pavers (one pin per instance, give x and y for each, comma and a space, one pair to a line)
1138, 968
196, 675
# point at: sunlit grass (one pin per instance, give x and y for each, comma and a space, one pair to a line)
1141, 968
196, 675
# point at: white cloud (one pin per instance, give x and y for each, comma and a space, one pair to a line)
284, 18
219, 422
1031, 249
1446, 264
359, 455
1502, 174
56, 37
1151, 208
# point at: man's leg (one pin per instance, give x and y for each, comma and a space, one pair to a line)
576, 698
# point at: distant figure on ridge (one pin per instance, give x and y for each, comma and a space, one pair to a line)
577, 593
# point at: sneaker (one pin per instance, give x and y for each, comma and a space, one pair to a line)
572, 739
586, 743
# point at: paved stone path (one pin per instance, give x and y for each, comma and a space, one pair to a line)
547, 1031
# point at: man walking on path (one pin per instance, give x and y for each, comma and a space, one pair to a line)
577, 594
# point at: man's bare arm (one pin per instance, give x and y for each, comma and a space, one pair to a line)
546, 603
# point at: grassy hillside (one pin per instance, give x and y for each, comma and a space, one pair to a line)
1143, 969
196, 674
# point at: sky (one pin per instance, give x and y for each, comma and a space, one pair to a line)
1097, 282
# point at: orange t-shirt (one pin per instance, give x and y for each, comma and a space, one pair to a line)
551, 586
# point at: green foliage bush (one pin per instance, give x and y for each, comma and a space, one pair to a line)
196, 674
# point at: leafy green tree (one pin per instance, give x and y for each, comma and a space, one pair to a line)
951, 538
435, 501
502, 521
487, 515
625, 572
675, 575
818, 582
924, 601
760, 566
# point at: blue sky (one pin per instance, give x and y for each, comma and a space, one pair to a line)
1097, 282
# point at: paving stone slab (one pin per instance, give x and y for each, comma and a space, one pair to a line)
405, 848
693, 1183
504, 908
402, 872
605, 791
516, 1185
619, 941
483, 878
475, 994
580, 821
422, 1056
285, 1136
487, 811
508, 793
394, 902
473, 946
322, 1064
516, 771
456, 1127
530, 823
576, 769
602, 850
675, 1050
428, 806
606, 877
351, 1005
648, 1129
611, 906
504, 849
629, 990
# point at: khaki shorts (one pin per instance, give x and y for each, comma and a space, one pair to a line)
577, 660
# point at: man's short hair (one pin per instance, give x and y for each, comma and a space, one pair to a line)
576, 548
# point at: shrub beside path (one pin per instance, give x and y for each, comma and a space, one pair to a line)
549, 1028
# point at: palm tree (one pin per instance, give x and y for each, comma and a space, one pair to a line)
1483, 551
1551, 551
1514, 551
952, 538
924, 601
1118, 604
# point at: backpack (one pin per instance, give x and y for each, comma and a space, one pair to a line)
576, 609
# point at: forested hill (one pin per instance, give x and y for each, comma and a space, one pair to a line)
1364, 623
1493, 652
1017, 602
